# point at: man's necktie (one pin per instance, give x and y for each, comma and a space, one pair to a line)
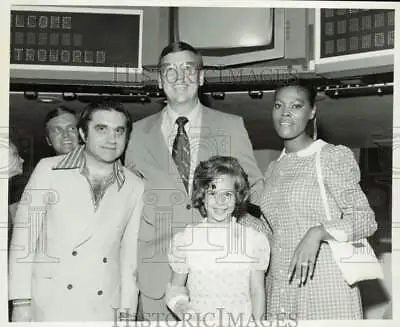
181, 151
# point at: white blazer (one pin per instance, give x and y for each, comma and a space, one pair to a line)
83, 266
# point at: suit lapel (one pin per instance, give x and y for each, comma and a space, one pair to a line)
155, 143
105, 211
75, 205
209, 141
158, 150
92, 218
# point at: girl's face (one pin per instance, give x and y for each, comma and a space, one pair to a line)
15, 161
220, 199
291, 112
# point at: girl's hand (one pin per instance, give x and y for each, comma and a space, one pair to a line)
302, 265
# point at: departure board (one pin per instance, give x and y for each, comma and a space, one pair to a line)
352, 31
76, 37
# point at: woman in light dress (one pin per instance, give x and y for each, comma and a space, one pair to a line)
304, 281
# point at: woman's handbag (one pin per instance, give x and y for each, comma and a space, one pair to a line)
356, 259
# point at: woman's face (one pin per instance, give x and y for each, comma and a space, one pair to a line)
15, 161
291, 112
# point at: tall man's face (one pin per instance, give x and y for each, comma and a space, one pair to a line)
180, 76
106, 135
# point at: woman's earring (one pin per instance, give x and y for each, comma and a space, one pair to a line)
315, 131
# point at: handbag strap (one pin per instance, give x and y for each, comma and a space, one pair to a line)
321, 184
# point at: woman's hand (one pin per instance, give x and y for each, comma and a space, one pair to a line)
304, 258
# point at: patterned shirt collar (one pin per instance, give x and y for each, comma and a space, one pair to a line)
76, 160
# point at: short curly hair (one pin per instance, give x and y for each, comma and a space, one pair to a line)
208, 171
308, 88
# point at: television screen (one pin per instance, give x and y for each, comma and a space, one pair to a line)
226, 27
232, 36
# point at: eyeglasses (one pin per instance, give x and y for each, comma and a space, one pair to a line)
221, 196
172, 72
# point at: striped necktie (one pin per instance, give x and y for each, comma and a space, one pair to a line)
181, 151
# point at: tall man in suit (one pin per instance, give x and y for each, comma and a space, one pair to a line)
166, 147
78, 221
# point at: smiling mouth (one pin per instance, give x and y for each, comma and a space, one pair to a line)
219, 211
181, 86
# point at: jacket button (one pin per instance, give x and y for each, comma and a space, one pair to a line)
188, 206
74, 253
105, 260
69, 286
100, 292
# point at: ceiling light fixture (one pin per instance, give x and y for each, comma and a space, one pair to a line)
69, 96
256, 94
218, 95
30, 95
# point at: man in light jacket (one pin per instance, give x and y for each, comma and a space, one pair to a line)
78, 222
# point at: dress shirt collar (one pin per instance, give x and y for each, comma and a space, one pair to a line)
309, 150
171, 116
76, 160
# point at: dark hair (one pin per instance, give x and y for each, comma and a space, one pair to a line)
306, 87
108, 105
207, 171
179, 46
57, 112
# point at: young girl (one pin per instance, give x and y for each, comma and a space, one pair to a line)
219, 265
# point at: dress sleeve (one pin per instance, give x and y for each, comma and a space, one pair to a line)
260, 250
266, 216
259, 224
177, 253
342, 177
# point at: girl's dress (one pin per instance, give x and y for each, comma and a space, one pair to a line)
292, 204
218, 259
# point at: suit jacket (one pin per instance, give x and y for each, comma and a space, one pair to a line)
78, 263
167, 207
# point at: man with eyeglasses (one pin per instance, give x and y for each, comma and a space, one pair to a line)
166, 147
61, 131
